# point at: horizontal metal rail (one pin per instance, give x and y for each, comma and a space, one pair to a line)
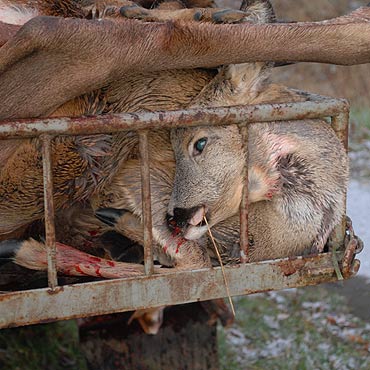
119, 295
315, 107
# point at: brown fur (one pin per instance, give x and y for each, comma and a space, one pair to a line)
275, 231
105, 170
32, 71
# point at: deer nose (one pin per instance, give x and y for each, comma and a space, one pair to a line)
185, 216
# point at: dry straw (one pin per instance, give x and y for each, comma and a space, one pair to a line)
222, 266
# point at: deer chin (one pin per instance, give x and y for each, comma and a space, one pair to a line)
195, 232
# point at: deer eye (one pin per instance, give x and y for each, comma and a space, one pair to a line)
199, 145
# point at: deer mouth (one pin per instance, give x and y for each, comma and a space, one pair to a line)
195, 232
190, 223
197, 226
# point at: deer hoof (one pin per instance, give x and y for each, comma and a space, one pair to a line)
122, 248
134, 12
109, 216
198, 16
228, 16
9, 249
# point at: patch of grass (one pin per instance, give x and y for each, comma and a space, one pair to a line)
359, 143
41, 347
228, 356
301, 329
359, 125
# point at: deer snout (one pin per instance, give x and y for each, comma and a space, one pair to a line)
188, 219
182, 217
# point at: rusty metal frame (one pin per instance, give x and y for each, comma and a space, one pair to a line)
88, 299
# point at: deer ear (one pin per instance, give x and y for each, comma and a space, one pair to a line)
259, 11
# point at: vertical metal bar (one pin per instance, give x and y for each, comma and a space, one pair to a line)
340, 124
244, 237
146, 202
49, 210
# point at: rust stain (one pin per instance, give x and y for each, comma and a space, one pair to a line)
348, 258
315, 107
146, 202
291, 266
49, 210
243, 209
56, 290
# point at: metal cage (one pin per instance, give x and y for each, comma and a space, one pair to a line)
158, 289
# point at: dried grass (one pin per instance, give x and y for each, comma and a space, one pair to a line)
222, 267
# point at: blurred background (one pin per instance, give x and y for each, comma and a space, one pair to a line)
325, 327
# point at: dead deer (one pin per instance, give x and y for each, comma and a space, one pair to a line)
119, 82
105, 50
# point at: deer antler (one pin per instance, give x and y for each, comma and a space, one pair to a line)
52, 60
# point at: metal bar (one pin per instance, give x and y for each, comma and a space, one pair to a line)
340, 123
347, 261
337, 235
146, 202
314, 108
244, 237
103, 297
49, 210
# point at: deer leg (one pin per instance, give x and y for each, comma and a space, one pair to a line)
171, 246
32, 69
238, 84
150, 319
212, 15
235, 84
69, 261
128, 224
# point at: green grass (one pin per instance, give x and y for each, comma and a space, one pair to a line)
41, 347
303, 329
228, 355
359, 125
359, 143
300, 329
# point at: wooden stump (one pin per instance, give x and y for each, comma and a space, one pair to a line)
186, 340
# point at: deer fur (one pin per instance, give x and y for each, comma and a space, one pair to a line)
104, 50
97, 171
